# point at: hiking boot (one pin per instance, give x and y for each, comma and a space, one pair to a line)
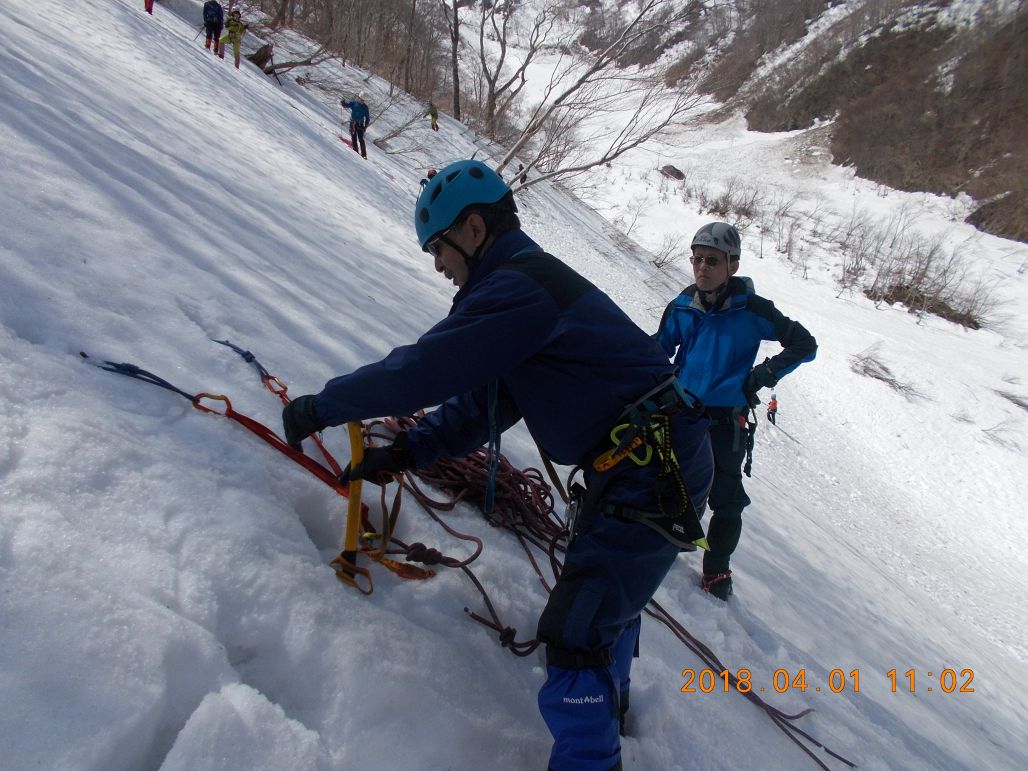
717, 584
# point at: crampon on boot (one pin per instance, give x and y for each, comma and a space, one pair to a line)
717, 584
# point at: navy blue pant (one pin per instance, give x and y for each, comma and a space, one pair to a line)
727, 495
357, 138
610, 572
591, 621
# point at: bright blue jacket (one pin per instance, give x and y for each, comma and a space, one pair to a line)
717, 346
359, 112
566, 358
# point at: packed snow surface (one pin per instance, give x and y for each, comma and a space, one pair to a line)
165, 598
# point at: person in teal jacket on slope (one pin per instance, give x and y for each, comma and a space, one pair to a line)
360, 117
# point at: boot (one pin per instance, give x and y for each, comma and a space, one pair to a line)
717, 584
207, 43
221, 50
237, 61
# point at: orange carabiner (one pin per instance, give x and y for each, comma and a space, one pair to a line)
282, 387
216, 397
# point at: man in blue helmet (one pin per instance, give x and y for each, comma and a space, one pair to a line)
529, 338
717, 325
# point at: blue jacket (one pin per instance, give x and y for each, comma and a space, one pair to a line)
359, 112
566, 358
717, 346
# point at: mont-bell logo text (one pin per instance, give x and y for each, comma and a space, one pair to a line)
583, 699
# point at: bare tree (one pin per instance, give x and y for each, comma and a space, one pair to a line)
581, 97
283, 14
669, 252
501, 89
451, 13
316, 58
409, 56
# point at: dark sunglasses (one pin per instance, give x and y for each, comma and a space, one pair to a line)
710, 259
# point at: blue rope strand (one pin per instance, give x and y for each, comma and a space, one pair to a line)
247, 357
131, 370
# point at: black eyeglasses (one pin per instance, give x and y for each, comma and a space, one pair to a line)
432, 247
710, 259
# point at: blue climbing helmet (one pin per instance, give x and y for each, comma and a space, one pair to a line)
450, 192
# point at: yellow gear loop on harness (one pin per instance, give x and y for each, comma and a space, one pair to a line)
612, 457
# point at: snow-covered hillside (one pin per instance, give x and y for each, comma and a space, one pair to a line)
165, 599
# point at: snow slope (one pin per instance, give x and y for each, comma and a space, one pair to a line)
165, 600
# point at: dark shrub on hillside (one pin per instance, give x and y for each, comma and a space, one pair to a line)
933, 109
670, 26
762, 26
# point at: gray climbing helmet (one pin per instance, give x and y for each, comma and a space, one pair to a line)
720, 236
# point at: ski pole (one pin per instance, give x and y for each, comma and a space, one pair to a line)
198, 33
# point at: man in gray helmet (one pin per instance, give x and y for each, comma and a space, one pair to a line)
717, 325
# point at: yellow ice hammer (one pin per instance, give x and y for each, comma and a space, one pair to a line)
353, 500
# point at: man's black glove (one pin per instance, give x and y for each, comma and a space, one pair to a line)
761, 376
380, 463
300, 421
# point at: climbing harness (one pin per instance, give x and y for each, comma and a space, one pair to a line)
647, 424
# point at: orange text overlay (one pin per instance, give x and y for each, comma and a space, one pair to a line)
944, 680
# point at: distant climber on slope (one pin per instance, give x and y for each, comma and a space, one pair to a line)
234, 31
360, 117
213, 22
